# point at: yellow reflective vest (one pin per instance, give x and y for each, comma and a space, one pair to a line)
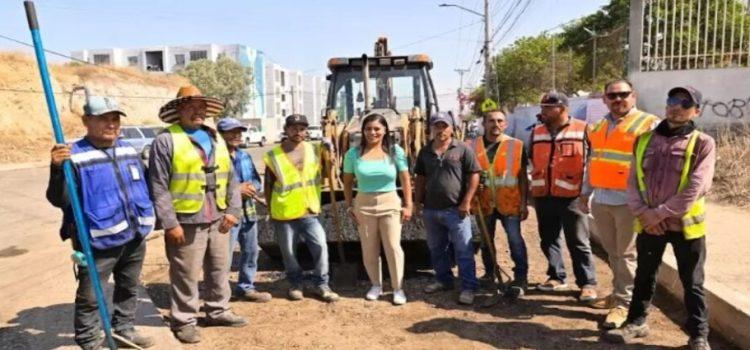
187, 184
295, 193
694, 221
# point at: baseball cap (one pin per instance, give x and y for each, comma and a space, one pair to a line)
441, 117
695, 95
554, 98
98, 105
226, 124
296, 119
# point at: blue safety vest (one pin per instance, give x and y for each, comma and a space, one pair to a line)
114, 194
244, 171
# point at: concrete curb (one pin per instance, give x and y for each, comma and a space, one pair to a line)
729, 311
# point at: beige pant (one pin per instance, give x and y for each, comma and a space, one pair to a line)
379, 216
205, 250
614, 226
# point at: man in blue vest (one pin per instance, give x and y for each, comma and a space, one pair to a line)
117, 209
247, 231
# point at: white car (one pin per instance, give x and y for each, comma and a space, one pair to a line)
314, 132
253, 136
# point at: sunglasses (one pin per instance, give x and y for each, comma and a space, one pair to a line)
675, 101
622, 95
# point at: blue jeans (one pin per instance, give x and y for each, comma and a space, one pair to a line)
247, 235
512, 227
310, 230
445, 226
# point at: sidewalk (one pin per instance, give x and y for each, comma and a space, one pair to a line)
727, 283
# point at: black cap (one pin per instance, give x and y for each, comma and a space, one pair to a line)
695, 95
554, 98
295, 119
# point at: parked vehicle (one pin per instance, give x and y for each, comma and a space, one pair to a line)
140, 137
253, 136
315, 132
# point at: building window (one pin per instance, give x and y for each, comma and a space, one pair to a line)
283, 97
198, 55
283, 112
276, 75
179, 60
282, 78
132, 61
101, 59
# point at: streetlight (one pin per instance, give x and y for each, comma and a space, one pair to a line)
594, 35
486, 49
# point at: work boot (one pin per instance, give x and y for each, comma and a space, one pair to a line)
588, 294
295, 293
627, 333
615, 318
227, 319
135, 337
97, 344
255, 296
466, 297
552, 285
435, 287
188, 334
604, 303
699, 343
325, 293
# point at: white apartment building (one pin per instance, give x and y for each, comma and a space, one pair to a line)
276, 92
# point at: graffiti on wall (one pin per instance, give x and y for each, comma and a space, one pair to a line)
735, 108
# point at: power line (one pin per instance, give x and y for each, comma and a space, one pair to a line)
436, 35
515, 20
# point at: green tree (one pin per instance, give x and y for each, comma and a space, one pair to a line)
526, 69
224, 79
610, 24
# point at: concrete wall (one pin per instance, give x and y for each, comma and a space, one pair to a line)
726, 92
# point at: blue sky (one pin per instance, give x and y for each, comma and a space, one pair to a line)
300, 35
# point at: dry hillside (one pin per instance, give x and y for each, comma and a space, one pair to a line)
25, 128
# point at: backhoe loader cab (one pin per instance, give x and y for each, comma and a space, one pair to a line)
397, 87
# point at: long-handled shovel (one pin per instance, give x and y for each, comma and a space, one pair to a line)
81, 227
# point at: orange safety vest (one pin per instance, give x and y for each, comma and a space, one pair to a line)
558, 163
501, 190
611, 151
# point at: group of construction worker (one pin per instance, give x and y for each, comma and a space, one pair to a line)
643, 180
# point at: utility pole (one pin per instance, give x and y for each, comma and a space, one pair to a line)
593, 64
554, 71
594, 36
488, 82
486, 49
461, 73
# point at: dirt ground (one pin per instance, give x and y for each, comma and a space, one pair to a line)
538, 321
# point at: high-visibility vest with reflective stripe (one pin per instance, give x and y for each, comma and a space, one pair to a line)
295, 193
116, 202
694, 221
611, 151
501, 189
187, 184
558, 163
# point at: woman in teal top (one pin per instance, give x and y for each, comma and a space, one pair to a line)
377, 210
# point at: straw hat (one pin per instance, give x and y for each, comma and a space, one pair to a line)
169, 113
